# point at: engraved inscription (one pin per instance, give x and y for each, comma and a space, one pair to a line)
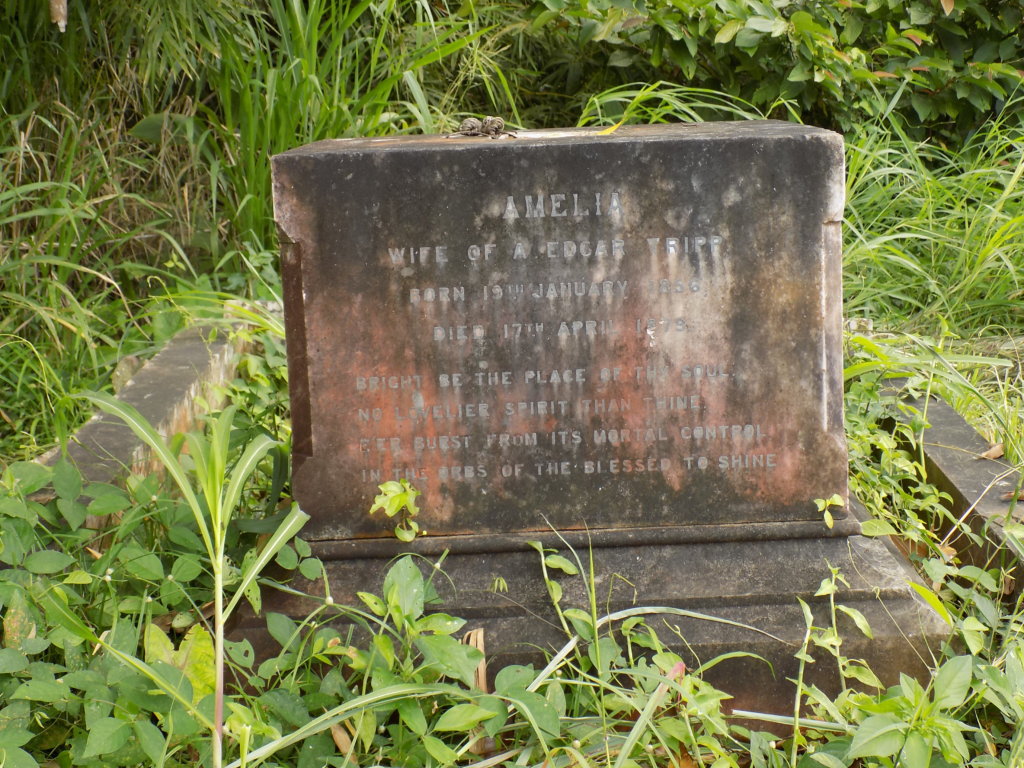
582, 416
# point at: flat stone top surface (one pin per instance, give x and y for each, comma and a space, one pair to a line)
722, 131
627, 330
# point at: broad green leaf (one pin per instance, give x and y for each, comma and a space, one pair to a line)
19, 620
827, 760
514, 677
29, 476
73, 512
462, 717
500, 709
412, 715
917, 752
728, 31
41, 690
141, 564
11, 737
877, 527
12, 660
554, 590
282, 629
582, 622
450, 657
67, 481
536, 708
311, 568
864, 674
83, 679
748, 38
953, 682
17, 758
373, 602
241, 652
440, 623
440, 751
403, 588
878, 736
184, 569
108, 504
195, 657
366, 727
561, 563
156, 645
14, 507
858, 619
286, 705
48, 561
385, 646
933, 600
150, 739
105, 736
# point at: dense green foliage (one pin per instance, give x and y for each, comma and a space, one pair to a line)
947, 65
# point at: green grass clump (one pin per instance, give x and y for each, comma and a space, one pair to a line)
935, 235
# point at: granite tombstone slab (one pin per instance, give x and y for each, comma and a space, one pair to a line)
615, 331
633, 339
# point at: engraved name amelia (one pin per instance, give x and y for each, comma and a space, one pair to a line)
562, 204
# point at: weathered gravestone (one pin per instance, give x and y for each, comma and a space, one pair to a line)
631, 339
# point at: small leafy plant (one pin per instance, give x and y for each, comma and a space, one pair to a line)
398, 499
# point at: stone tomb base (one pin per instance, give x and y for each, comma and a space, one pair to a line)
745, 574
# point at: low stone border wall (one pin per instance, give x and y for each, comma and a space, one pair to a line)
977, 486
166, 391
